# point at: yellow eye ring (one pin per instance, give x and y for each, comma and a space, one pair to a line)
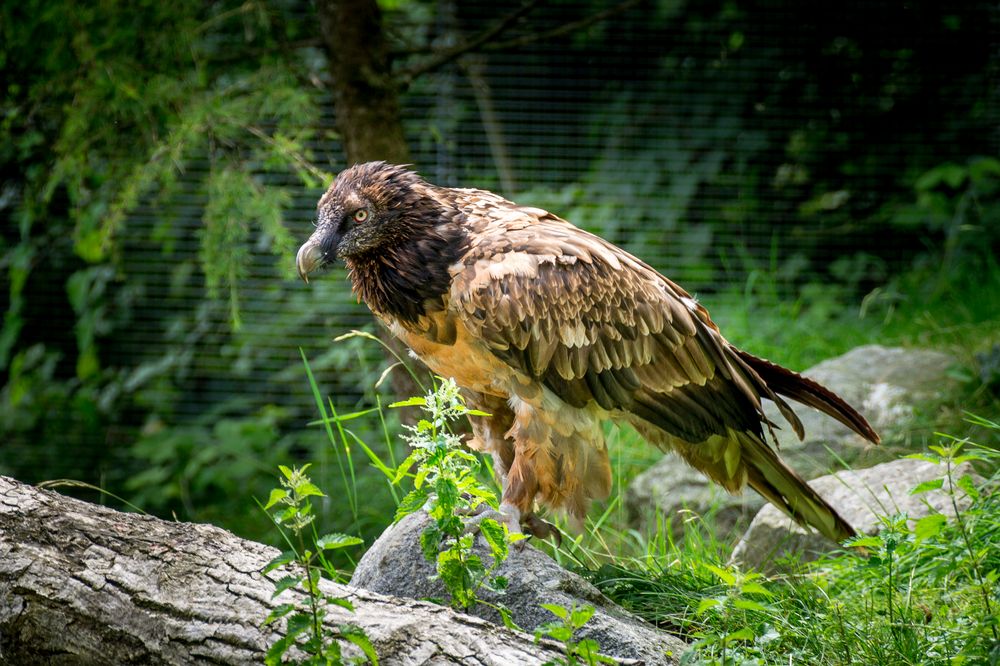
360, 215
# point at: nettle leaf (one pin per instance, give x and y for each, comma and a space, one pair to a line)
590, 651
281, 560
430, 542
580, 616
277, 650
557, 610
341, 602
929, 526
277, 494
285, 583
357, 635
706, 604
476, 412
507, 617
496, 536
452, 571
968, 485
744, 634
926, 486
559, 632
278, 613
756, 588
447, 492
298, 624
865, 542
416, 401
421, 476
309, 489
413, 502
924, 457
727, 577
404, 467
748, 604
336, 540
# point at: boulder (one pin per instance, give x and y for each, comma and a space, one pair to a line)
862, 497
682, 493
891, 386
395, 565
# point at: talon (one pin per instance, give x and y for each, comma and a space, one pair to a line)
541, 529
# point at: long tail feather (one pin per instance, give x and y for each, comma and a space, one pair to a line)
784, 488
801, 389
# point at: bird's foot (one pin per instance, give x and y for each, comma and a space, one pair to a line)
509, 515
541, 529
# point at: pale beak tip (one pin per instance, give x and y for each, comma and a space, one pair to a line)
308, 258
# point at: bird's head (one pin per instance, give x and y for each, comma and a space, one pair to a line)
368, 207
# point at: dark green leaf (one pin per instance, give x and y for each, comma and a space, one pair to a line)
430, 542
279, 612
285, 583
358, 636
341, 602
335, 541
413, 502
496, 536
281, 560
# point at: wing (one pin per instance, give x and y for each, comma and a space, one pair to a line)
593, 323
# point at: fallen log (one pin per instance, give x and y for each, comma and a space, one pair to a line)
85, 584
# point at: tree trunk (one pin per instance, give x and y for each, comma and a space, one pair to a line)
365, 94
84, 584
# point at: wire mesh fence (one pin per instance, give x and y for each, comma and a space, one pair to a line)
708, 139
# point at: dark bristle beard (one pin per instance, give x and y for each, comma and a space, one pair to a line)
407, 278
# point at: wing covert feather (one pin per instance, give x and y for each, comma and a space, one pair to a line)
593, 323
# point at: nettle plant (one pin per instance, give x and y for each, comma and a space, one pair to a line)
447, 483
308, 639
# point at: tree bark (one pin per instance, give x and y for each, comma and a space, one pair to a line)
84, 584
365, 93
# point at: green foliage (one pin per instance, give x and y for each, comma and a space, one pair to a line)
446, 482
134, 111
730, 613
202, 470
584, 652
305, 631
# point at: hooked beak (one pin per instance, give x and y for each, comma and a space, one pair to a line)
308, 259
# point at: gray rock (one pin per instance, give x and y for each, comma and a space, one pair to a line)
861, 497
890, 386
682, 493
395, 565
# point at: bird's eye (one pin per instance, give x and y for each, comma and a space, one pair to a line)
360, 215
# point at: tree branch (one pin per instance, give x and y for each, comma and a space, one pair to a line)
564, 29
448, 55
482, 42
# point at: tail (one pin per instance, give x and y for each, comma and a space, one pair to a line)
793, 385
784, 488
